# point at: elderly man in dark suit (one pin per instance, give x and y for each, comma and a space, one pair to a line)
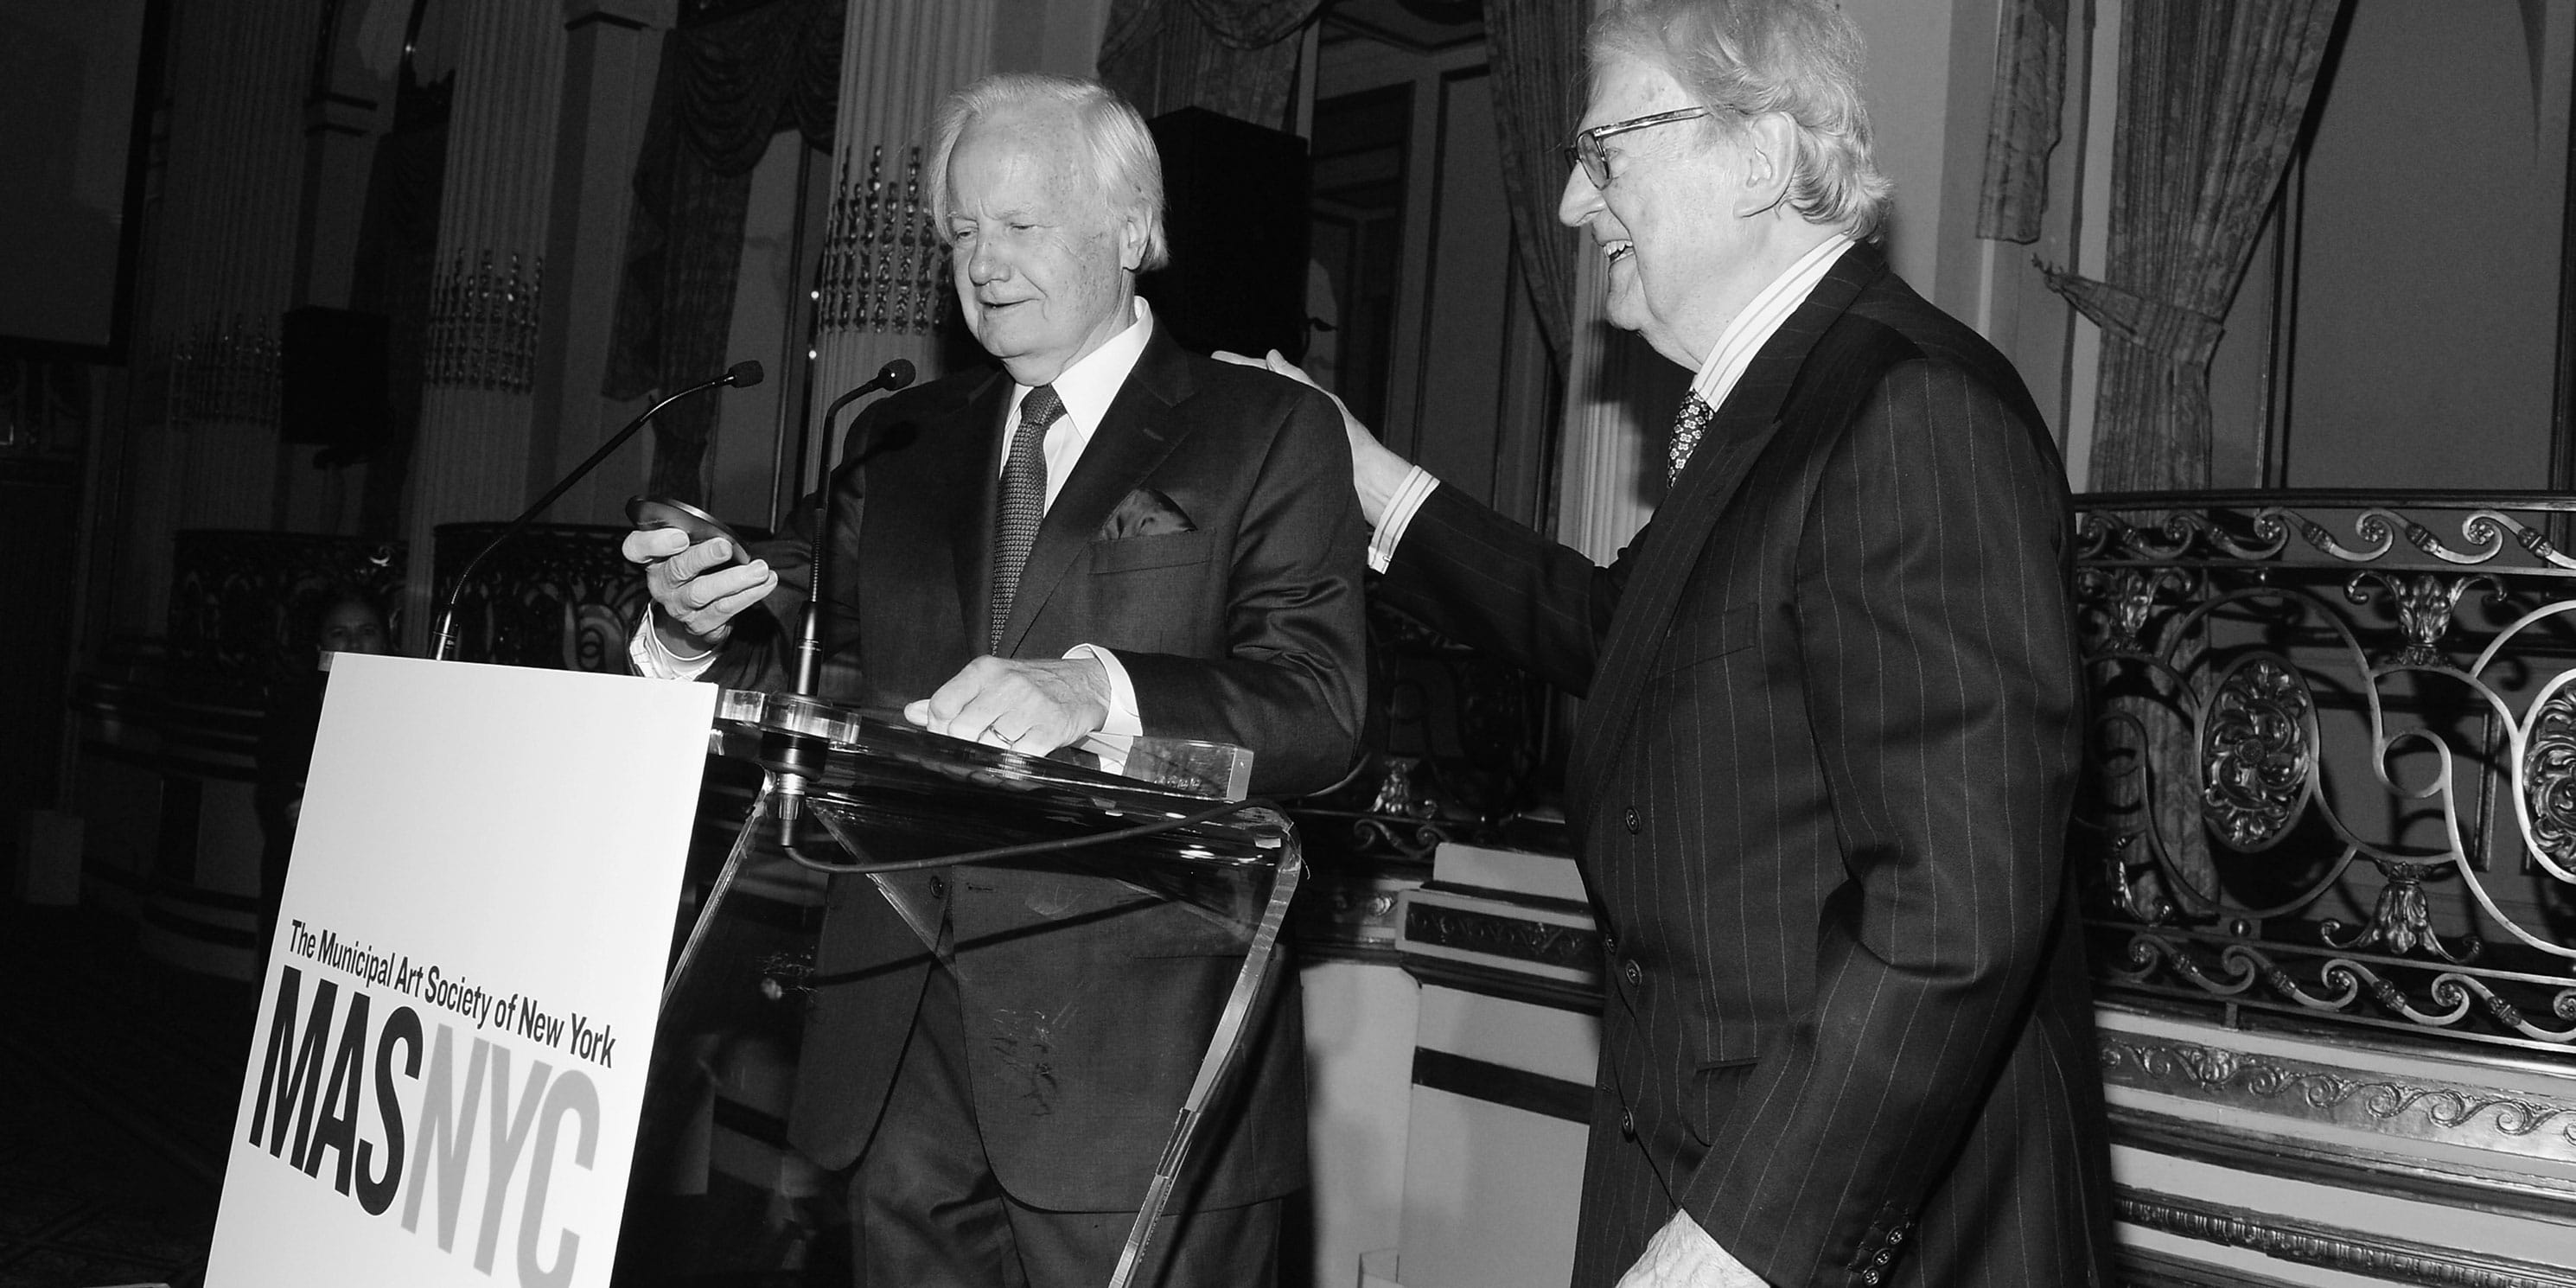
1830, 734
1107, 535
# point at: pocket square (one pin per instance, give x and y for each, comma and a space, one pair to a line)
1146, 512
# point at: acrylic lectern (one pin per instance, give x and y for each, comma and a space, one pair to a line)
850, 792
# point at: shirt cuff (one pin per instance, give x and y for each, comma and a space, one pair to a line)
1123, 718
1409, 496
655, 661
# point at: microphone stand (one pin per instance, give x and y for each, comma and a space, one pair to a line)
741, 375
809, 647
788, 750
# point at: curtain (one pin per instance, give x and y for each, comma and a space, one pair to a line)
1536, 50
2021, 127
2211, 104
1238, 57
1234, 57
725, 87
396, 270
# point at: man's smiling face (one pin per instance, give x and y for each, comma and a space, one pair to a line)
1666, 220
1045, 270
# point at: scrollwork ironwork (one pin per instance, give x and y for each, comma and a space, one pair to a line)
2254, 753
2549, 776
2359, 735
1458, 753
560, 597
243, 604
2425, 605
2402, 921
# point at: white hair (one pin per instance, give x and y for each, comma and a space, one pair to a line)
1126, 170
1800, 58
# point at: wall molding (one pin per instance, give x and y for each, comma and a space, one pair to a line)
2144, 1268
2505, 1192
1501, 934
2313, 1243
1503, 985
2418, 1108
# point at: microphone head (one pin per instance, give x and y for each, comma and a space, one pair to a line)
895, 374
743, 375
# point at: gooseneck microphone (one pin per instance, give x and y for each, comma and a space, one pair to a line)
795, 757
809, 648
741, 375
893, 375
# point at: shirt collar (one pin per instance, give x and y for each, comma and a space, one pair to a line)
1760, 320
1092, 383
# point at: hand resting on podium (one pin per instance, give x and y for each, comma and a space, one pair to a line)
1033, 705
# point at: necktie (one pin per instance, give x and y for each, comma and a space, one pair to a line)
1015, 520
1687, 427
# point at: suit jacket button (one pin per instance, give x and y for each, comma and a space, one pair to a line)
1896, 1236
938, 888
1628, 1123
1631, 820
1869, 1276
1636, 974
1610, 944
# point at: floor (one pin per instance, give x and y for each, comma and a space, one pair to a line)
117, 1082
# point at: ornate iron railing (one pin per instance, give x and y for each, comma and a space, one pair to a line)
1458, 749
2332, 771
243, 605
556, 595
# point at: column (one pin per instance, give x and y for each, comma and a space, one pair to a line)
1613, 452
612, 48
470, 462
1614, 442
221, 268
348, 103
883, 276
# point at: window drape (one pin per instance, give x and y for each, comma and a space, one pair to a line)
1234, 57
1536, 50
725, 87
2211, 101
2021, 126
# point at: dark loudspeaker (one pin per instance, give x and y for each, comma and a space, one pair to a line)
331, 369
1235, 201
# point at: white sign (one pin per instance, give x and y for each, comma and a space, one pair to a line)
452, 1038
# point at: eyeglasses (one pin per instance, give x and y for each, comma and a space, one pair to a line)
1586, 150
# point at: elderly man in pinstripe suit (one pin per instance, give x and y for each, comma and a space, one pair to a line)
1831, 729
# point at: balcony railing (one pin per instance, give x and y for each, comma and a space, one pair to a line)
2332, 764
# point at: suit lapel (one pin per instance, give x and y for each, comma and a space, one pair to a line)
1134, 436
1679, 531
971, 466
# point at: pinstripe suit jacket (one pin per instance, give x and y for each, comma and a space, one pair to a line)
1821, 785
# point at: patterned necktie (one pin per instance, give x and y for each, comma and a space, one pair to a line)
1015, 520
1692, 422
